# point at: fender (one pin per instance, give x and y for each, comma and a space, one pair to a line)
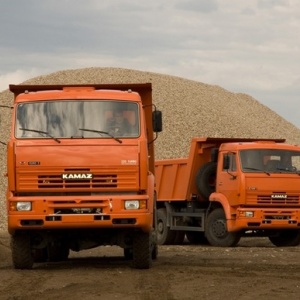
229, 211
151, 191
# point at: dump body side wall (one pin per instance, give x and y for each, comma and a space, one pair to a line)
175, 178
171, 176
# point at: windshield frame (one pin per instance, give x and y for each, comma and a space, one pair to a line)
269, 160
65, 119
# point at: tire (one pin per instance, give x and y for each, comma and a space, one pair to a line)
216, 230
179, 237
286, 238
57, 251
40, 255
165, 236
154, 245
142, 250
128, 253
196, 237
22, 257
206, 179
154, 252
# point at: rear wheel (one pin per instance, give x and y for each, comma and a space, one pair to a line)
22, 257
165, 236
128, 253
57, 250
179, 237
216, 230
286, 238
142, 250
196, 237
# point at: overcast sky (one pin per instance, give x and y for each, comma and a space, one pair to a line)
251, 46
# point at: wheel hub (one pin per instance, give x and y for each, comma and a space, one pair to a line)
219, 228
160, 227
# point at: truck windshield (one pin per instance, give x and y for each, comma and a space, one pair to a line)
77, 119
270, 160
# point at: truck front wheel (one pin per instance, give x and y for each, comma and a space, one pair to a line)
216, 230
22, 257
286, 238
142, 250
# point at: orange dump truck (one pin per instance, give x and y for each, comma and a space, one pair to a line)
228, 188
75, 179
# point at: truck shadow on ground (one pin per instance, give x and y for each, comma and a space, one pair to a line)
92, 262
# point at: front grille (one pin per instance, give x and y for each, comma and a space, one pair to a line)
57, 181
267, 199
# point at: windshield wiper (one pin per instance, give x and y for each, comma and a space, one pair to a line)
102, 132
256, 169
41, 132
287, 170
252, 169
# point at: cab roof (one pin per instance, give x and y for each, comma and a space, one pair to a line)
136, 87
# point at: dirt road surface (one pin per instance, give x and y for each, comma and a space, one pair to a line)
253, 270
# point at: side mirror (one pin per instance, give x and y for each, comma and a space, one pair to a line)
157, 121
226, 162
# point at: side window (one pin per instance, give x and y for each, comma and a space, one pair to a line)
232, 162
296, 162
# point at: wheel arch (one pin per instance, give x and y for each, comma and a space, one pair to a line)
151, 191
219, 200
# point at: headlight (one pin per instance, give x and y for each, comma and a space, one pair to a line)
247, 214
132, 204
23, 206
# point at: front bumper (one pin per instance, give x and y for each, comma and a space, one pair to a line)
58, 213
267, 218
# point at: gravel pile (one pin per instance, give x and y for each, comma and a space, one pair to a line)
189, 109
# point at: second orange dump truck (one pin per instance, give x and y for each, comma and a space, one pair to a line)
228, 188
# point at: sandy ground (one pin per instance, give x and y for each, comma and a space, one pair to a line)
253, 270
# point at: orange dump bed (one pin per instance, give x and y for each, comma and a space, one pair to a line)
171, 175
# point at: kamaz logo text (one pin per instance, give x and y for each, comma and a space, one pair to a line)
279, 196
80, 176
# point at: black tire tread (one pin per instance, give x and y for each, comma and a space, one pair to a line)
196, 237
142, 250
21, 251
204, 175
286, 238
168, 236
179, 237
